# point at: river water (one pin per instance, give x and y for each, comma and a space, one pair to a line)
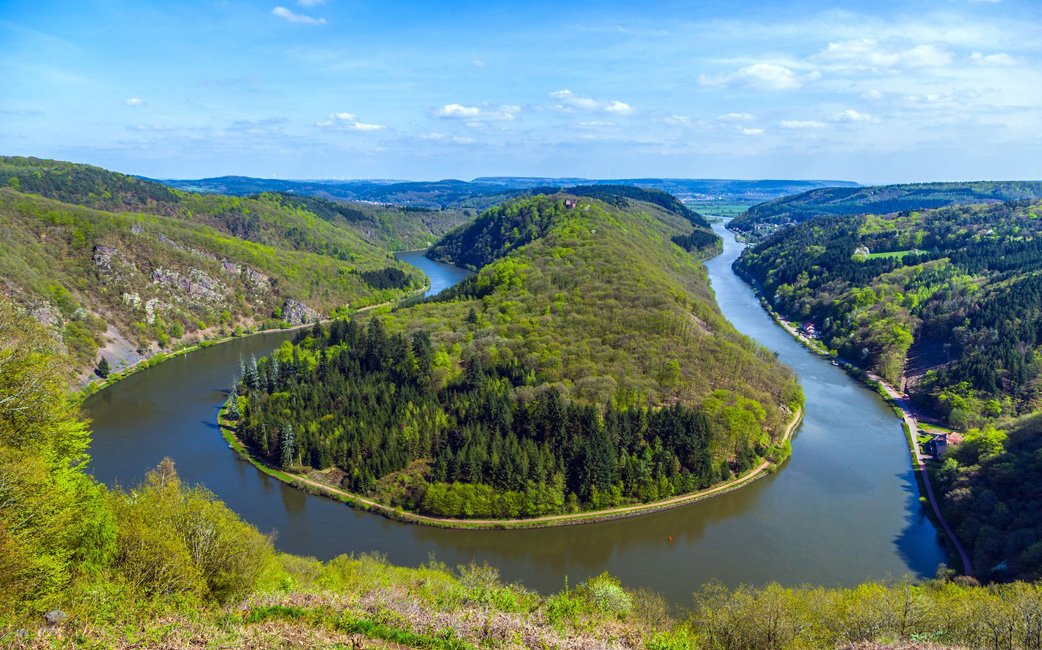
844, 509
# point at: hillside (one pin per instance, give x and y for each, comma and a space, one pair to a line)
586, 365
763, 219
128, 267
947, 301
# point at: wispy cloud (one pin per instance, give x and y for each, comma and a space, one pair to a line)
347, 122
134, 101
868, 53
571, 102
477, 114
801, 124
737, 117
999, 58
294, 17
768, 76
851, 115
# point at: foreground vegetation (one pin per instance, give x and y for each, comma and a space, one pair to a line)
946, 301
580, 369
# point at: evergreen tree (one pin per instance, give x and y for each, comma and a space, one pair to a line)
287, 446
103, 369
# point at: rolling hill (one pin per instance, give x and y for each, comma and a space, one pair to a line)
585, 365
129, 267
765, 218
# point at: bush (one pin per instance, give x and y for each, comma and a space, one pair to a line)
173, 540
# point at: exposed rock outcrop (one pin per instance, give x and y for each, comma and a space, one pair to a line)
297, 313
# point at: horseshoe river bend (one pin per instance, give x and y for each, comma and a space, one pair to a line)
844, 509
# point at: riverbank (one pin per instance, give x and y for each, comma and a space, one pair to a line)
901, 409
311, 486
159, 357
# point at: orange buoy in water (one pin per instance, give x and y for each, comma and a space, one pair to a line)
670, 539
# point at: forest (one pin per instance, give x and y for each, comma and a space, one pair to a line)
947, 297
948, 300
574, 371
383, 410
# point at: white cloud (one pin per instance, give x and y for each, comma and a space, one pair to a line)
479, 63
868, 53
769, 76
478, 114
801, 124
851, 115
571, 102
750, 131
677, 120
349, 122
134, 101
293, 17
999, 58
738, 117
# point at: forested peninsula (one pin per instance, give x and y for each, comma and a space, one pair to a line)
584, 366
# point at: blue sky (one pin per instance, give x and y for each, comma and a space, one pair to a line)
869, 91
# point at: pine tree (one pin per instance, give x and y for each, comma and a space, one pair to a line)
103, 369
287, 444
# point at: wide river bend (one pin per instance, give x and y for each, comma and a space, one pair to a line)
844, 509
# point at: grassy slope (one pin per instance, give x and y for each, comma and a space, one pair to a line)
96, 258
879, 199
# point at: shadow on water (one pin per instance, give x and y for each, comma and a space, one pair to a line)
842, 510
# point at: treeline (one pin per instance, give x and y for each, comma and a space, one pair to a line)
697, 240
402, 422
498, 231
846, 201
387, 278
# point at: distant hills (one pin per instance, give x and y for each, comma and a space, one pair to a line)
485, 191
766, 217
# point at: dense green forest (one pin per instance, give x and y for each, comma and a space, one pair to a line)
948, 300
168, 565
124, 267
585, 366
763, 219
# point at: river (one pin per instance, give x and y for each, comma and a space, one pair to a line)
844, 509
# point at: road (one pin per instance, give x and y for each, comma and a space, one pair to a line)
913, 428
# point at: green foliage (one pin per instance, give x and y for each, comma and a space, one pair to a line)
154, 264
174, 540
546, 383
964, 305
52, 519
